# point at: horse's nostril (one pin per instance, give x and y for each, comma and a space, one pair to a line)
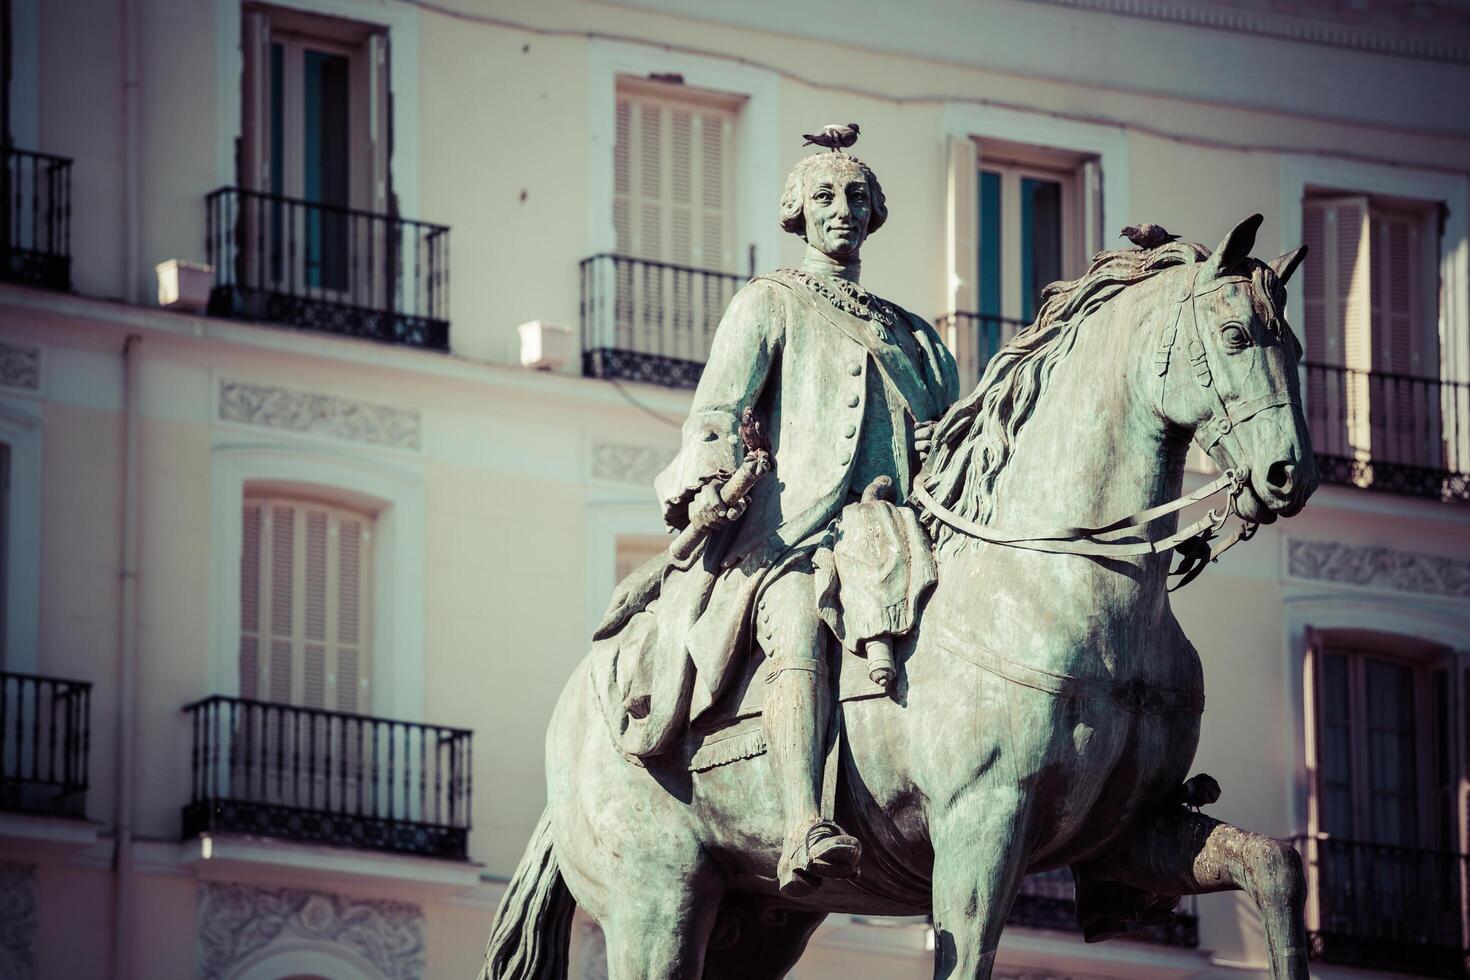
1279, 476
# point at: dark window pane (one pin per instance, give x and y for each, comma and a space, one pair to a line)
325, 166
990, 308
1041, 239
1336, 751
1392, 783
278, 159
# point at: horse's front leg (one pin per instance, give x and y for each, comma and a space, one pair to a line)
979, 862
1181, 852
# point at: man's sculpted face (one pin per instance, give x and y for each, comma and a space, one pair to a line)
836, 210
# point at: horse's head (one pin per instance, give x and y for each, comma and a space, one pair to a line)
1228, 362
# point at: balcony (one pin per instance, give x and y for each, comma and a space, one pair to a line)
45, 735
974, 338
327, 777
330, 269
35, 219
1390, 432
650, 321
1048, 901
1379, 906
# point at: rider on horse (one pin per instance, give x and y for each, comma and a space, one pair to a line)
848, 387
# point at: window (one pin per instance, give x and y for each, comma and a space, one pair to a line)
633, 551
316, 134
1383, 856
1385, 744
1370, 300
673, 175
305, 595
4, 554
1034, 220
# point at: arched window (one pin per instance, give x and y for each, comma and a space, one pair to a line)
305, 603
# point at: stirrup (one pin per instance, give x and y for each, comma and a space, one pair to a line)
831, 851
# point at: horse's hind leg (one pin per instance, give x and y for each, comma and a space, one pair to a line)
657, 928
1185, 853
753, 942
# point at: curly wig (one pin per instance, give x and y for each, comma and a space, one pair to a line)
794, 194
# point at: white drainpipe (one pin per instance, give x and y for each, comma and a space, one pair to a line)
127, 668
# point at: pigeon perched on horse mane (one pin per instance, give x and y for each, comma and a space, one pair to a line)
1147, 235
833, 136
1197, 791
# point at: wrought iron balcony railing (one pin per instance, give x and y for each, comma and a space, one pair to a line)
327, 777
974, 338
35, 218
45, 736
1048, 900
650, 321
333, 269
1379, 906
1394, 432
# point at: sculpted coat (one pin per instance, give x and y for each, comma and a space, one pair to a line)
839, 396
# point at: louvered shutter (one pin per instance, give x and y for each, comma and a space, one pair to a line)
250, 622
962, 238
304, 582
671, 181
1336, 294
255, 129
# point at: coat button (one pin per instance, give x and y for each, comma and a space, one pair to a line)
855, 370
850, 431
846, 458
852, 402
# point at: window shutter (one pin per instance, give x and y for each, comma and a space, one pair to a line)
281, 535
255, 48
305, 583
1092, 210
379, 120
671, 181
250, 546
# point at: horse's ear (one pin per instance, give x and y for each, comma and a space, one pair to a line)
1236, 247
1285, 265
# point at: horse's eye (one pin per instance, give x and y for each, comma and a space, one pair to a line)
1235, 337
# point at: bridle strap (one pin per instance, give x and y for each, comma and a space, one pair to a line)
1080, 540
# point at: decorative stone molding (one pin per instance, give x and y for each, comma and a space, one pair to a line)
19, 903
238, 921
1382, 28
1373, 566
636, 465
20, 367
314, 413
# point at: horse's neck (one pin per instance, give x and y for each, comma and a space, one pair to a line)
1095, 448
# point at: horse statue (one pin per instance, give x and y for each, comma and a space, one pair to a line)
1049, 704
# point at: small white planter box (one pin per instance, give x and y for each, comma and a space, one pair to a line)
546, 346
184, 285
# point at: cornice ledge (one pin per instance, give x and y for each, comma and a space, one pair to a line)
1360, 37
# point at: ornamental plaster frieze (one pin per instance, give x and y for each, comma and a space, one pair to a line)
634, 465
1362, 26
20, 367
236, 922
1377, 567
19, 902
319, 414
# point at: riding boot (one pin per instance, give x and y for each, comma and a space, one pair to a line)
796, 716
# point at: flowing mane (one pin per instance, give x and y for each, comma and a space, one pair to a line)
974, 440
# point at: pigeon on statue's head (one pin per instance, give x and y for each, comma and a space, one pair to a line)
1147, 235
833, 136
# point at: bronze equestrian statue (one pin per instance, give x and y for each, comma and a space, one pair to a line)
1013, 691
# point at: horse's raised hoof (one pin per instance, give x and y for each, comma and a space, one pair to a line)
1102, 929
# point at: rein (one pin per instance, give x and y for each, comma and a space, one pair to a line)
1197, 544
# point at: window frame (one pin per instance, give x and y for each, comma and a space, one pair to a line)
394, 489
21, 430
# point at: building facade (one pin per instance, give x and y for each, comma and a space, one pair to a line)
308, 516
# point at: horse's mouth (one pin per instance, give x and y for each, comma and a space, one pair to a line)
1250, 506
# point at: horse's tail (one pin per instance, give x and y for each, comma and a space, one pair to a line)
533, 926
